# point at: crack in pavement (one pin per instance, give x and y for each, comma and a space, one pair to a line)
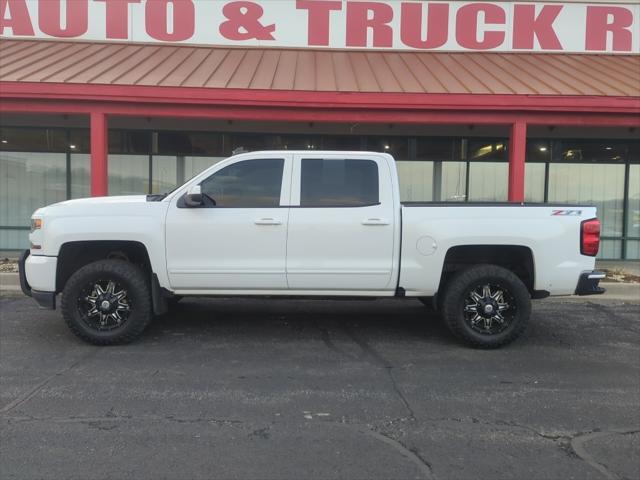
377, 359
570, 444
110, 422
573, 444
124, 418
31, 393
412, 454
577, 444
326, 338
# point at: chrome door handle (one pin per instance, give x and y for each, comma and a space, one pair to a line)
375, 222
267, 221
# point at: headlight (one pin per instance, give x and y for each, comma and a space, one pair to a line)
36, 224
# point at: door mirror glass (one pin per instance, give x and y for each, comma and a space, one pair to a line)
193, 197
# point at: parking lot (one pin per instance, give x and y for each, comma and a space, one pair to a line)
224, 388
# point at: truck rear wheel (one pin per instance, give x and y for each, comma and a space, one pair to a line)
107, 302
486, 306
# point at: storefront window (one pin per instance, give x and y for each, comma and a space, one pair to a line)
169, 172
433, 171
590, 151
534, 178
396, 146
487, 151
342, 142
489, 170
293, 142
415, 173
601, 185
633, 215
488, 182
79, 140
28, 181
633, 250
248, 142
208, 144
164, 173
454, 182
128, 174
538, 153
40, 166
416, 181
80, 175
538, 150
33, 139
169, 143
195, 165
130, 142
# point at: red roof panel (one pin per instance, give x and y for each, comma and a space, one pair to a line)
318, 70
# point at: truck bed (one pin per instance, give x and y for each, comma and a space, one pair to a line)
551, 233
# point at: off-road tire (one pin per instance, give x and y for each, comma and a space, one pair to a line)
131, 278
458, 289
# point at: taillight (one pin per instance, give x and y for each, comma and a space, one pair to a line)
590, 237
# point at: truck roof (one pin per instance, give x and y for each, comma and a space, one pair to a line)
311, 152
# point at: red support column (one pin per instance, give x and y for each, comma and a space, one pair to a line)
517, 153
99, 143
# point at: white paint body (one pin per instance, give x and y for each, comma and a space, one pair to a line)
292, 250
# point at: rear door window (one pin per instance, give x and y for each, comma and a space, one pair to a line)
339, 183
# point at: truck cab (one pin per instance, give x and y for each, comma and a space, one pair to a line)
312, 223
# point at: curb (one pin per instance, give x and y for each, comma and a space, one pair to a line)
620, 291
10, 282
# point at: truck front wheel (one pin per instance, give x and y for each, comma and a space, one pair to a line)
486, 306
107, 302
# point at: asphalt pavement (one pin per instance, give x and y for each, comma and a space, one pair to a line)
262, 389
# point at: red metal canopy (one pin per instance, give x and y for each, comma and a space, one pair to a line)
91, 63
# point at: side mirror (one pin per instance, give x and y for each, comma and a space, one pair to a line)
193, 197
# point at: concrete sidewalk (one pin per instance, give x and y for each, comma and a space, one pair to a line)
631, 267
9, 281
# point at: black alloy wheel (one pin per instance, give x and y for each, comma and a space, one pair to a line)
104, 305
489, 309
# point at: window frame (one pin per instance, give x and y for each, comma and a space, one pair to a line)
215, 169
296, 196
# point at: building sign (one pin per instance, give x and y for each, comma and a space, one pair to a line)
335, 24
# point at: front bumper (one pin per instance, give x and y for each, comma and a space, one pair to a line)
43, 299
588, 283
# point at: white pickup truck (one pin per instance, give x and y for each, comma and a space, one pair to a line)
305, 224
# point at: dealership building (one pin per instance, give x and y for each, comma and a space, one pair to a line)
476, 101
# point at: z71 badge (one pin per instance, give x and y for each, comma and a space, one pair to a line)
566, 213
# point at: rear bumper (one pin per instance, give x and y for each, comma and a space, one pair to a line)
43, 299
588, 283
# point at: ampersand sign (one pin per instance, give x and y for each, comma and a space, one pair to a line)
243, 22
